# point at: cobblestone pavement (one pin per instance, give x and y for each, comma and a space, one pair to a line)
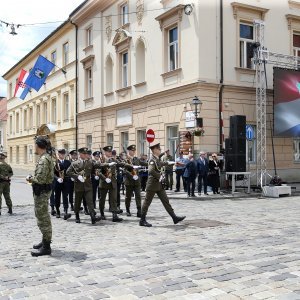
226, 249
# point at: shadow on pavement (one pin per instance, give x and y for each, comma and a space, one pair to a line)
68, 255
199, 223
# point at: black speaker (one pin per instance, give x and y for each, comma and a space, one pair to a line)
199, 122
235, 146
235, 163
237, 127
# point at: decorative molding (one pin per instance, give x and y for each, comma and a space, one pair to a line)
241, 7
140, 11
108, 28
121, 40
245, 71
173, 15
108, 94
88, 48
140, 84
88, 61
123, 91
294, 4
292, 20
171, 73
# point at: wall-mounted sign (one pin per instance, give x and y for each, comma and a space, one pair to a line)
189, 119
124, 117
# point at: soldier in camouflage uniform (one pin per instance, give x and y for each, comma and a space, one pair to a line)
5, 174
132, 180
168, 170
155, 186
42, 186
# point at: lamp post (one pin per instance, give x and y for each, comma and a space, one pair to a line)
196, 102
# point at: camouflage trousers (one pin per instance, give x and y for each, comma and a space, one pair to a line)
42, 215
5, 191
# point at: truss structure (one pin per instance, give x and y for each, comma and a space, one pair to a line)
261, 58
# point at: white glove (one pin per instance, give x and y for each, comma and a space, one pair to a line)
108, 180
80, 178
96, 177
136, 167
60, 180
28, 177
135, 177
72, 179
171, 162
112, 163
161, 178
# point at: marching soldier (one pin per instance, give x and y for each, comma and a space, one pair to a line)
81, 171
155, 186
73, 157
108, 184
95, 177
132, 180
144, 172
119, 179
5, 175
62, 183
168, 170
41, 186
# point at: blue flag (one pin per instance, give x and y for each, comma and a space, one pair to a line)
39, 73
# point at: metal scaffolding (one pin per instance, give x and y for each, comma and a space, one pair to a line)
261, 58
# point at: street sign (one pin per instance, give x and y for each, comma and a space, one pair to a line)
249, 132
150, 136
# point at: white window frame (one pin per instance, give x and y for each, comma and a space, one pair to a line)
66, 53
45, 112
53, 111
89, 141
54, 58
174, 44
30, 117
89, 36
17, 122
243, 49
66, 107
124, 12
38, 115
124, 142
141, 141
124, 69
110, 139
89, 82
172, 141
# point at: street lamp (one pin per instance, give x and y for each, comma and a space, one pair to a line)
196, 102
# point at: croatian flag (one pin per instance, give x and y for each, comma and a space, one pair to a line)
286, 102
22, 89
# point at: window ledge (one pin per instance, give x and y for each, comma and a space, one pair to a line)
171, 73
88, 48
66, 120
108, 94
245, 70
124, 90
89, 99
140, 84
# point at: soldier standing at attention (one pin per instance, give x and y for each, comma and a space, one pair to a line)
42, 186
81, 171
155, 186
168, 170
95, 177
108, 184
132, 180
74, 157
5, 174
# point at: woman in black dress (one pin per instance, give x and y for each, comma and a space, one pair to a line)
214, 173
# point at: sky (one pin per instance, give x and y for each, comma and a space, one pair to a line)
13, 48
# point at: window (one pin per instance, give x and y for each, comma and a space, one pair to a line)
89, 83
17, 122
53, 58
25, 154
10, 124
45, 108
89, 141
30, 118
140, 62
25, 119
246, 39
173, 138
124, 14
38, 115
53, 112
10, 94
251, 148
109, 75
297, 149
89, 37
124, 139
65, 54
173, 49
18, 155
142, 143
124, 69
30, 153
66, 107
296, 44
10, 154
110, 139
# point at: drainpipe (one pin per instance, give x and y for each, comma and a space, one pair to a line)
221, 120
76, 85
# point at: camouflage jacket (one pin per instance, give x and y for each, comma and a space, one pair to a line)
168, 168
5, 171
44, 170
130, 172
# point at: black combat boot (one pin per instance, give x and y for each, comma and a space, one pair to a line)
102, 215
144, 223
86, 212
0, 212
53, 212
94, 219
119, 211
116, 218
10, 210
38, 246
128, 213
66, 215
44, 250
176, 219
139, 213
77, 218
57, 213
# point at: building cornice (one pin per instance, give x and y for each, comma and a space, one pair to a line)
294, 4
292, 19
237, 7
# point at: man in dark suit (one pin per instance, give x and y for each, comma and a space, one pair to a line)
202, 165
62, 183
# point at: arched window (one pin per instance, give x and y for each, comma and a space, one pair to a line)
109, 74
140, 62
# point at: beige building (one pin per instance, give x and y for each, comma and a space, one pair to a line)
141, 62
54, 104
3, 123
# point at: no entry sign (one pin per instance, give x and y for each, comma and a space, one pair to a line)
150, 136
